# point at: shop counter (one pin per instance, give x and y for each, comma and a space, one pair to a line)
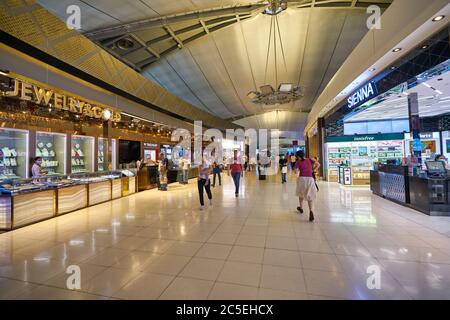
116, 188
148, 178
18, 210
71, 198
99, 192
430, 195
128, 186
391, 182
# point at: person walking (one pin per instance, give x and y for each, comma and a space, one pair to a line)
283, 165
306, 184
293, 162
204, 182
236, 171
163, 167
216, 172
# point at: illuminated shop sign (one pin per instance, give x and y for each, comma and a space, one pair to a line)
362, 95
150, 145
368, 137
50, 98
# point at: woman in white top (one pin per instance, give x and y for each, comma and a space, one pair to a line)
204, 182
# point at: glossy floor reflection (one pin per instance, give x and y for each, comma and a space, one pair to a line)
159, 245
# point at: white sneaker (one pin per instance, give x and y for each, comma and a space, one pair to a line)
202, 208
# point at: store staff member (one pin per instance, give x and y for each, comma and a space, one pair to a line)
36, 169
442, 158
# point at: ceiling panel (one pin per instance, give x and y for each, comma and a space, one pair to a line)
123, 10
91, 18
282, 120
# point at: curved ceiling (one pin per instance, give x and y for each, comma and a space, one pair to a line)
211, 53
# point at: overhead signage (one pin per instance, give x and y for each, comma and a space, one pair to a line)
50, 98
150, 145
368, 137
426, 135
362, 95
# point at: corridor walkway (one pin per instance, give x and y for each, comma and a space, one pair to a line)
159, 245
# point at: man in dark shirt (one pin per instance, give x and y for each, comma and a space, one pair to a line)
283, 166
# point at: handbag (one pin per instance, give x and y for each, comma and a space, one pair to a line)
313, 174
284, 169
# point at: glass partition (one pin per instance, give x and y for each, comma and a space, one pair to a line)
14, 162
82, 154
52, 148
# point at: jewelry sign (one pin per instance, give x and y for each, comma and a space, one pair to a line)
50, 98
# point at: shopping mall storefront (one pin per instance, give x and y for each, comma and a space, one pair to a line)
389, 132
90, 152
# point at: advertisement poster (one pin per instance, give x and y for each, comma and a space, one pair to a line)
448, 146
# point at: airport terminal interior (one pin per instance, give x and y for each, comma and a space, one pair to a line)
224, 150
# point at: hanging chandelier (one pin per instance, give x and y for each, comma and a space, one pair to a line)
284, 92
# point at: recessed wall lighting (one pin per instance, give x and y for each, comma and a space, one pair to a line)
438, 18
397, 50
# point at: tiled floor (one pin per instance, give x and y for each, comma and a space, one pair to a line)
159, 245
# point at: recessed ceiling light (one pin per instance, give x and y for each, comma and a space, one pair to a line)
426, 46
438, 18
397, 50
393, 68
372, 69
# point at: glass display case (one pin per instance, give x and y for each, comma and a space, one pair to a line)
52, 148
14, 162
82, 159
361, 156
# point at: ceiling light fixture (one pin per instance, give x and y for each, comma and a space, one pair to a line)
425, 46
397, 50
372, 69
438, 18
284, 92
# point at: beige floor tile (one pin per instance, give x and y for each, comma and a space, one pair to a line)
10, 289
223, 238
284, 258
136, 260
214, 251
282, 278
240, 273
87, 273
187, 289
320, 261
228, 291
270, 294
130, 243
251, 241
202, 268
52, 293
314, 245
156, 245
246, 254
110, 281
146, 286
167, 264
184, 248
329, 284
285, 243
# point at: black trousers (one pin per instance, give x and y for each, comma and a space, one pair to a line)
201, 185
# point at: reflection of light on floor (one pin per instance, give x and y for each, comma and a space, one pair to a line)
130, 217
115, 223
353, 218
41, 259
102, 230
76, 242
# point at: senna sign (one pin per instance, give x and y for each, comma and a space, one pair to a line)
50, 98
